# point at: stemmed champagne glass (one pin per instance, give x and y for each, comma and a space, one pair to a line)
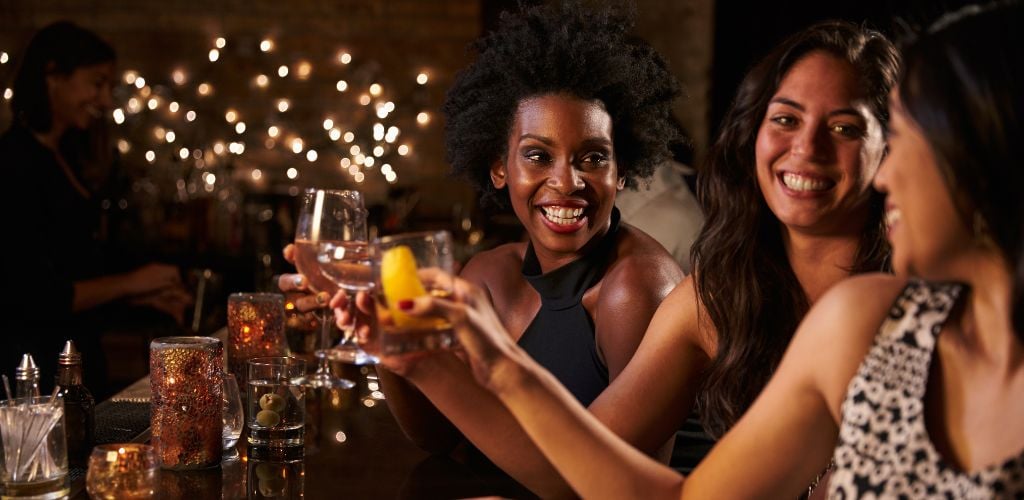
326, 216
233, 416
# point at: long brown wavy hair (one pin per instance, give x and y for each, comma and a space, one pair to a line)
743, 277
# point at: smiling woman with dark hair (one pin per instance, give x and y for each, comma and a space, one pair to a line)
560, 111
61, 91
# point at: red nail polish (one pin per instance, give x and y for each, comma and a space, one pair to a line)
405, 304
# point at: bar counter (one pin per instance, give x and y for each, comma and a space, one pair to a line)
354, 449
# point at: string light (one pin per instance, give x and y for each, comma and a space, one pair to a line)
150, 156
359, 176
353, 169
197, 154
159, 133
170, 136
220, 42
273, 131
262, 81
183, 153
231, 116
360, 159
173, 107
344, 57
354, 150
218, 148
403, 150
8, 93
349, 137
382, 112
392, 135
328, 124
364, 99
266, 45
422, 78
282, 71
378, 151
134, 106
283, 105
190, 116
118, 114
152, 104
376, 89
385, 168
292, 173
390, 177
341, 86
4, 58
423, 118
368, 161
303, 69
345, 162
297, 145
123, 146
240, 128
334, 134
140, 82
204, 89
145, 91
311, 155
378, 131
179, 76
257, 174
130, 77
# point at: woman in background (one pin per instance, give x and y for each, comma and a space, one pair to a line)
61, 89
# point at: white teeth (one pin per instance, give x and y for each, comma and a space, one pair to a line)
562, 215
892, 216
799, 182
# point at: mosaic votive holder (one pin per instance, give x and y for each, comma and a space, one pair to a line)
256, 328
185, 376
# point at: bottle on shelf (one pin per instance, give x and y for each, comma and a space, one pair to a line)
79, 405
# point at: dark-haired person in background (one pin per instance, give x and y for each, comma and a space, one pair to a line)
913, 387
61, 89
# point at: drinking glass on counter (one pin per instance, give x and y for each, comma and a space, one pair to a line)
276, 404
122, 471
33, 458
234, 416
397, 260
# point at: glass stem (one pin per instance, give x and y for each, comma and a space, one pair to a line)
325, 341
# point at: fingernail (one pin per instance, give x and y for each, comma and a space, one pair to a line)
298, 280
322, 298
405, 304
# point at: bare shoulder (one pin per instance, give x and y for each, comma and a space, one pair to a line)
641, 265
838, 331
490, 268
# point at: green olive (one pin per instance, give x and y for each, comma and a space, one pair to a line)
265, 470
273, 486
272, 402
268, 418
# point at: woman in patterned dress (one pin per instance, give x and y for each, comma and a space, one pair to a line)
913, 387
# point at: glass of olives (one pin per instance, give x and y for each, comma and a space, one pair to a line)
276, 407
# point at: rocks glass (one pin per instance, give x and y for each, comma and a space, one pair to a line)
276, 406
185, 377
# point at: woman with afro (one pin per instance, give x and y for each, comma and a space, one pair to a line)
560, 111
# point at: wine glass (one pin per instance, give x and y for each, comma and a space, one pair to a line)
326, 216
233, 416
348, 265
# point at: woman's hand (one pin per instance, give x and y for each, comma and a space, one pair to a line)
474, 321
296, 287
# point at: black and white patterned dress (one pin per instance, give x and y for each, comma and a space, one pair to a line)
884, 450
